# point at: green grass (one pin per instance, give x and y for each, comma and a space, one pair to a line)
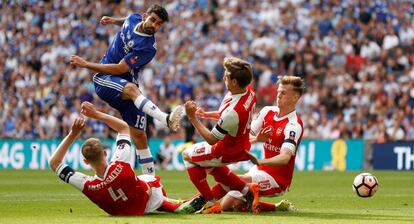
322, 197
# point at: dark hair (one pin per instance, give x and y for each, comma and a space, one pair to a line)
297, 83
160, 11
238, 69
92, 150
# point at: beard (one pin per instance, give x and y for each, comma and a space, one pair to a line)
149, 30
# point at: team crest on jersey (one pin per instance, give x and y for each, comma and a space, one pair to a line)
279, 131
292, 135
133, 60
131, 43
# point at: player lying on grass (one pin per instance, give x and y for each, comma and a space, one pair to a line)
115, 188
280, 128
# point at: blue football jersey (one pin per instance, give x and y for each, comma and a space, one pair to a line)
138, 49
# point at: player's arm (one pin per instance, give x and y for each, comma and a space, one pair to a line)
113, 69
215, 115
123, 140
280, 160
107, 20
120, 126
63, 147
292, 133
190, 108
134, 59
257, 134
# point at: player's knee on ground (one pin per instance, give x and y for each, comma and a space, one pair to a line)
130, 91
186, 157
232, 201
188, 163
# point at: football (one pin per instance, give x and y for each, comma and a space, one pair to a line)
365, 185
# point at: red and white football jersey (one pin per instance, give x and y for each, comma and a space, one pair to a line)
233, 127
120, 192
287, 134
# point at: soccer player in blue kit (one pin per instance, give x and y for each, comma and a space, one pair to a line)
116, 81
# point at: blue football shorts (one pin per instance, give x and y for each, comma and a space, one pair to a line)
109, 88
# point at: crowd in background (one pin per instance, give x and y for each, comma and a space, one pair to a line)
356, 57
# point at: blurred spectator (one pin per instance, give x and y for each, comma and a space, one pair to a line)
410, 131
390, 40
395, 131
165, 153
370, 49
48, 124
189, 130
9, 129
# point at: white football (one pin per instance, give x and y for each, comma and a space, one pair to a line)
365, 185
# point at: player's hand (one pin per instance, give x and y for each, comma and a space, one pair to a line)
78, 61
78, 125
89, 110
201, 113
105, 20
265, 134
253, 158
190, 109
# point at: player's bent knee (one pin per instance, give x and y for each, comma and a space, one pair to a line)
130, 91
186, 157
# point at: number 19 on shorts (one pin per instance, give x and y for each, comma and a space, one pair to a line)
141, 122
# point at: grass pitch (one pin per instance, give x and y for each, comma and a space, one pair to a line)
321, 197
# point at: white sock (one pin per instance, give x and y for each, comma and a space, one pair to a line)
146, 161
146, 105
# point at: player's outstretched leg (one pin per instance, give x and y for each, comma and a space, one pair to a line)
172, 120
250, 191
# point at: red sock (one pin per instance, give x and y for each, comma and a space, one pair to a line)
218, 191
225, 176
168, 206
267, 207
198, 177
